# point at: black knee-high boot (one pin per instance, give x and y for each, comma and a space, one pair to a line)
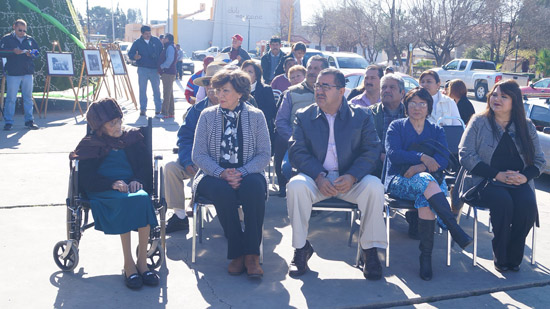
441, 206
426, 235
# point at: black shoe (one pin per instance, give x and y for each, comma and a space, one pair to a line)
298, 266
502, 268
426, 234
441, 206
31, 125
150, 278
8, 126
372, 269
134, 281
142, 113
282, 191
175, 224
412, 218
513, 268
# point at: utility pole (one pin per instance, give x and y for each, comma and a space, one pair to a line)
290, 21
113, 20
88, 20
175, 21
147, 12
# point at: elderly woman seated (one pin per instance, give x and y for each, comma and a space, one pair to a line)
232, 149
114, 171
411, 167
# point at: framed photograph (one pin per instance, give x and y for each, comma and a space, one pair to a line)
60, 64
117, 63
94, 65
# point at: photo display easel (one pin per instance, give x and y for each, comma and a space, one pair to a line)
61, 69
92, 66
117, 70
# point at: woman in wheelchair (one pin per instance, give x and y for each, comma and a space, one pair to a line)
232, 149
113, 175
502, 148
413, 172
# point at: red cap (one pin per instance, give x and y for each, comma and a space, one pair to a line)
237, 37
207, 60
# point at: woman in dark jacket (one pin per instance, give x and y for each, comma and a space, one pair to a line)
502, 146
410, 173
457, 91
114, 173
263, 94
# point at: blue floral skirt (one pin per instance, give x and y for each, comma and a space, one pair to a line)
412, 189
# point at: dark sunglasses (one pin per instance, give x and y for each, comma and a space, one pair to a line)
21, 30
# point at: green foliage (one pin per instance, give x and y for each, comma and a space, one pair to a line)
425, 63
45, 33
482, 52
543, 62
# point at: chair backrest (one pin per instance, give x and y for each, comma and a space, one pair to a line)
453, 135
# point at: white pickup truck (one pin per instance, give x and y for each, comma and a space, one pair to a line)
201, 54
478, 75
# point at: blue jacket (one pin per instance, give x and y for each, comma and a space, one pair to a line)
357, 144
399, 138
186, 133
17, 65
149, 53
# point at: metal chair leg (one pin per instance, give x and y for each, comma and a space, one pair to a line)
194, 242
533, 244
449, 242
475, 238
388, 236
262, 247
358, 254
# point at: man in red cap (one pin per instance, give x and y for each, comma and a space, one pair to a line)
235, 51
191, 89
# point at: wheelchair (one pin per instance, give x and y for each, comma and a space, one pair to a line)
65, 252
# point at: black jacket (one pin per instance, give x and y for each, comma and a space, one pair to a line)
357, 144
466, 109
17, 65
266, 103
149, 53
266, 67
281, 67
140, 161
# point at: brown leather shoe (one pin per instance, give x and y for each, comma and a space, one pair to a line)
252, 264
236, 267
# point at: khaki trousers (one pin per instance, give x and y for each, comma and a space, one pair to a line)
174, 174
167, 94
368, 194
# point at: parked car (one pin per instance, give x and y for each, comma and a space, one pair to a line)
201, 54
538, 89
310, 52
478, 75
355, 79
188, 64
124, 48
346, 60
538, 110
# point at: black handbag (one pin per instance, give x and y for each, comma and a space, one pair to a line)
430, 147
472, 195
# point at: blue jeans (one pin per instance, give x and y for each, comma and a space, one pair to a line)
13, 83
144, 75
286, 167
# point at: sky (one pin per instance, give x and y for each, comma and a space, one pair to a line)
158, 8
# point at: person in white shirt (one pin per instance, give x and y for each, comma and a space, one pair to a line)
443, 105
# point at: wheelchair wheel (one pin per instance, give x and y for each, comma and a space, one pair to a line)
70, 260
155, 254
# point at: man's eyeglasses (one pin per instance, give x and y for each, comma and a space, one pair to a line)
325, 87
418, 104
21, 30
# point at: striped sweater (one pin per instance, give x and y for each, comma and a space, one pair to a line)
208, 136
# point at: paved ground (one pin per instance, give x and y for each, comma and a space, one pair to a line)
32, 215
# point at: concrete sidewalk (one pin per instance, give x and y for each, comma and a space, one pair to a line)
35, 173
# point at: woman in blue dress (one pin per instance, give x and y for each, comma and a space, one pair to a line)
409, 173
114, 173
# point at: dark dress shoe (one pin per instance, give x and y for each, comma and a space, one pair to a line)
501, 268
298, 266
8, 126
31, 125
513, 268
150, 278
372, 269
175, 224
134, 281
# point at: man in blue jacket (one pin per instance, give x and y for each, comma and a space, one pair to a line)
334, 147
177, 171
20, 50
146, 51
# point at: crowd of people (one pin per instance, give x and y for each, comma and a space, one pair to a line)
324, 145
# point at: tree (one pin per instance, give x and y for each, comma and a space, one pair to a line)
319, 24
134, 16
446, 24
543, 63
501, 21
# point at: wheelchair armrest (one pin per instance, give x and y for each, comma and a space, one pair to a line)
158, 157
175, 150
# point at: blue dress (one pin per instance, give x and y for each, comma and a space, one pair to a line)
116, 212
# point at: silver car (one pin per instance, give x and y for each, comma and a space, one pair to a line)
538, 110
